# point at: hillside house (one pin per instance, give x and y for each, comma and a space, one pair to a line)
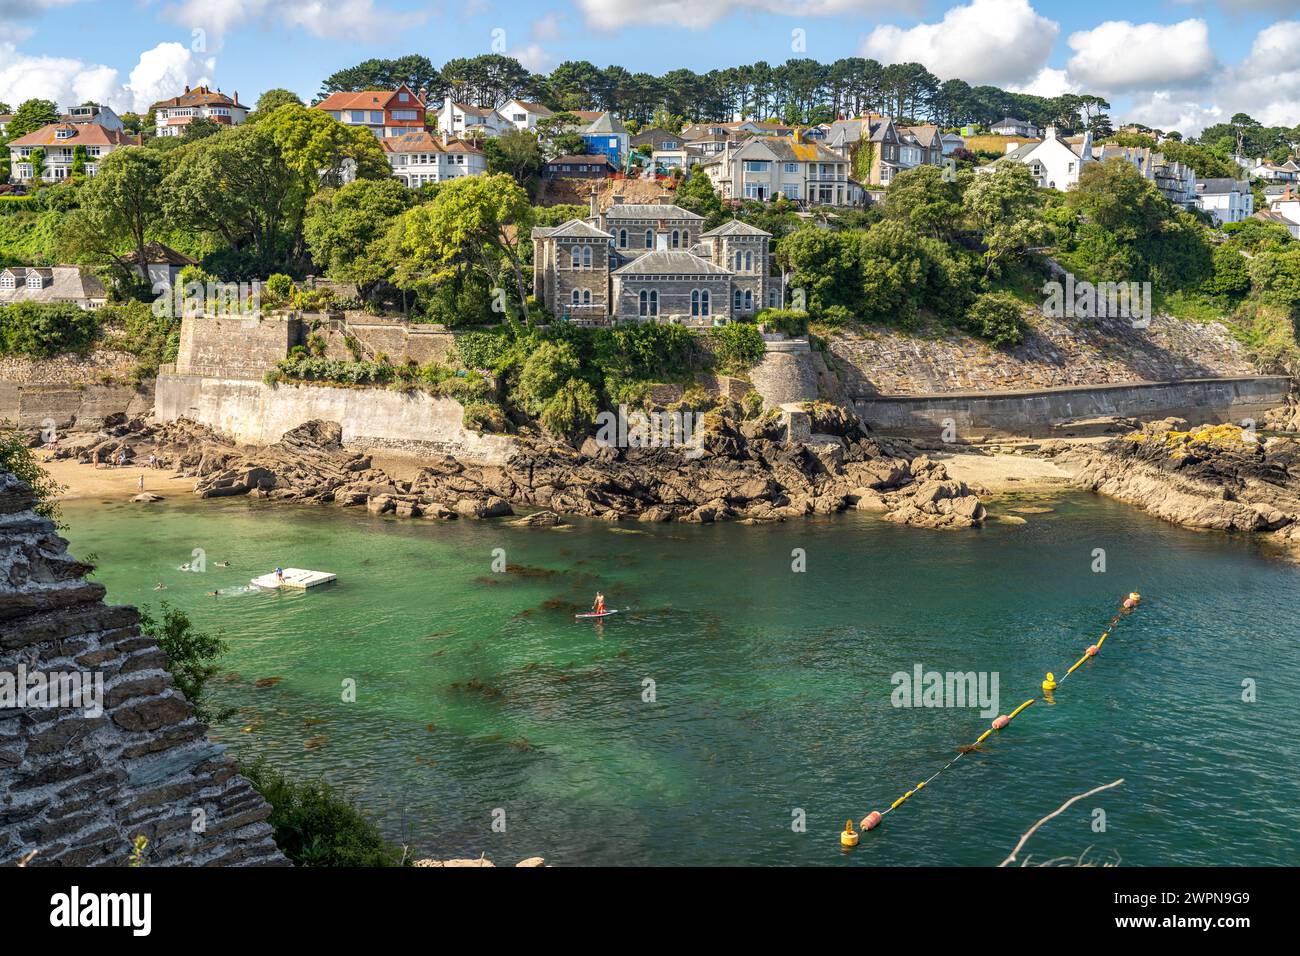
1054, 162
1227, 200
765, 167
419, 158
578, 166
607, 135
1008, 126
524, 115
385, 113
52, 284
172, 117
651, 262
59, 143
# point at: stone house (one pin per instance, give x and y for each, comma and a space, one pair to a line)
652, 262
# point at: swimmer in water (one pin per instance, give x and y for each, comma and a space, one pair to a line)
161, 587
213, 593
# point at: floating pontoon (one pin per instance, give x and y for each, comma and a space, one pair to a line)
296, 578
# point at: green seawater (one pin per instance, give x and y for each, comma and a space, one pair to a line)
478, 691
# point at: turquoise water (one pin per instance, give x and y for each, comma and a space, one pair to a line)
478, 691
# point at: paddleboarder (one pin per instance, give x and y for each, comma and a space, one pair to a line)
599, 606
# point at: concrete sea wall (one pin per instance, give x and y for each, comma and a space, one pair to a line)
1077, 410
400, 423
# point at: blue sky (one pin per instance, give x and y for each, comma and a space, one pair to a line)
1172, 63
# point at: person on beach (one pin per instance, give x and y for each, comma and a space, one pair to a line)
153, 461
140, 483
95, 457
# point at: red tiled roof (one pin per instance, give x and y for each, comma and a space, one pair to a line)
83, 134
367, 100
199, 96
425, 142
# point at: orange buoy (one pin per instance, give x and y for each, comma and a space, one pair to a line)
871, 820
1001, 721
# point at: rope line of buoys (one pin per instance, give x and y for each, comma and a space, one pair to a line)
849, 838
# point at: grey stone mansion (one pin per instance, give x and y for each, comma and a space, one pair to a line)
652, 262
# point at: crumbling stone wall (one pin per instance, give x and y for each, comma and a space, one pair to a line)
78, 787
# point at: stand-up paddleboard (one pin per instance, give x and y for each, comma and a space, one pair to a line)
594, 614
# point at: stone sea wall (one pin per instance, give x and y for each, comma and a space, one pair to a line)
1064, 412
78, 785
74, 392
253, 413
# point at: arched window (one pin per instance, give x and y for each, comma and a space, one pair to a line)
735, 301
649, 238
695, 302
704, 302
740, 259
586, 257
575, 258
749, 300
577, 297
677, 238
749, 262
654, 301
622, 238
586, 297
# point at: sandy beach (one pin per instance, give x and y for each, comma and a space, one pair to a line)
86, 481
1001, 473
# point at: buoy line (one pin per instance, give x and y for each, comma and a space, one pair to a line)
849, 838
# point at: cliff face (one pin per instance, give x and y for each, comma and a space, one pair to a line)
128, 759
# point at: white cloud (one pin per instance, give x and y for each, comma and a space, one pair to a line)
696, 14
986, 41
1048, 82
547, 27
534, 58
323, 18
160, 72
1118, 55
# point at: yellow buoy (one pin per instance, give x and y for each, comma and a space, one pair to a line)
850, 836
1049, 685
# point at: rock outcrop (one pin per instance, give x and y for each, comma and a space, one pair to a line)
742, 470
1213, 476
126, 759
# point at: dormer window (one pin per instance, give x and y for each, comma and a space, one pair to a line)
34, 281
65, 133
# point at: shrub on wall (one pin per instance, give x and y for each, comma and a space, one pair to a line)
996, 317
736, 347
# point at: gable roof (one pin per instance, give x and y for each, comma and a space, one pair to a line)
670, 262
69, 283
734, 228
155, 253
573, 229
83, 134
927, 136
365, 99
422, 141
786, 150
605, 123
532, 107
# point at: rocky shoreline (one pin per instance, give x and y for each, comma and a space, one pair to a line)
738, 470
1218, 477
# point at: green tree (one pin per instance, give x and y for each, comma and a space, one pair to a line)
42, 330
924, 200
30, 116
697, 195
547, 369
516, 153
16, 457
342, 226
272, 100
472, 225
1004, 204
191, 654
119, 204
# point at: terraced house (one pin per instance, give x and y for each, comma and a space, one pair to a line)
652, 262
55, 152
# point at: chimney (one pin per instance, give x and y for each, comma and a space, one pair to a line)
618, 199
1085, 148
446, 138
665, 199
236, 96
187, 87
1049, 133
595, 203
1012, 147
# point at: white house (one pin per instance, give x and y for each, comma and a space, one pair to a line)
1014, 127
420, 157
461, 119
59, 144
1054, 163
171, 117
952, 142
1288, 207
93, 113
53, 284
1227, 200
524, 115
1271, 172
